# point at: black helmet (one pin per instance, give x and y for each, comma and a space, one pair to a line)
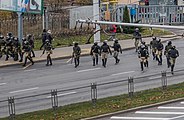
76, 43
47, 41
173, 47
143, 42
16, 39
116, 41
29, 36
169, 42
1, 37
10, 34
95, 43
23, 39
154, 38
26, 42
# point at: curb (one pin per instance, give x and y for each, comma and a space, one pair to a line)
134, 109
84, 54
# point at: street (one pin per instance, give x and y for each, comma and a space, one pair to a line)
39, 79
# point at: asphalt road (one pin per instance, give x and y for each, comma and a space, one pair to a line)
39, 79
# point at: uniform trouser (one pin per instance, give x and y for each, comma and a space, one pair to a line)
143, 61
172, 61
28, 56
168, 61
95, 58
76, 60
136, 43
49, 58
116, 53
32, 51
8, 52
153, 53
159, 56
104, 58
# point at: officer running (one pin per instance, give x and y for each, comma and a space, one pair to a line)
137, 37
173, 54
8, 45
159, 48
167, 48
117, 49
143, 54
105, 50
48, 48
30, 39
146, 58
17, 52
27, 50
95, 52
76, 54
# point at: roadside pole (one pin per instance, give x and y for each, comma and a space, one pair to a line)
96, 15
20, 26
45, 18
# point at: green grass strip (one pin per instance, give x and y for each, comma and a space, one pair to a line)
107, 105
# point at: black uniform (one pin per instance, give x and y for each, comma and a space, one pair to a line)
30, 39
9, 46
44, 38
16, 49
117, 49
27, 50
49, 37
95, 52
167, 48
137, 37
143, 54
76, 54
153, 45
48, 48
105, 50
159, 48
173, 54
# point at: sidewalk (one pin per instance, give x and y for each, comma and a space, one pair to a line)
66, 52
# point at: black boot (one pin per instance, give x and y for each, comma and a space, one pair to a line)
146, 63
103, 62
93, 62
25, 62
50, 61
172, 69
142, 67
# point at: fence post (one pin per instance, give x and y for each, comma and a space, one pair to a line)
11, 107
94, 93
54, 99
130, 86
164, 80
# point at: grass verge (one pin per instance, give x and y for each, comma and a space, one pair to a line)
82, 39
107, 105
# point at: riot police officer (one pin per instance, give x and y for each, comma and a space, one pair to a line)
146, 58
167, 48
143, 54
27, 50
159, 48
137, 37
8, 45
48, 48
2, 43
117, 49
95, 52
105, 50
153, 45
16, 49
24, 40
30, 39
173, 54
76, 54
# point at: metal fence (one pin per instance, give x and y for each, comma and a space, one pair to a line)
58, 97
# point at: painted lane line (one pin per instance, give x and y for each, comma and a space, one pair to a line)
122, 73
161, 113
174, 108
24, 90
176, 117
88, 70
69, 60
29, 70
2, 84
155, 77
182, 102
137, 118
64, 94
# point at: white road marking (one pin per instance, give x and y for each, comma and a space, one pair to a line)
182, 102
155, 77
24, 90
161, 113
176, 117
2, 84
122, 73
137, 118
29, 70
69, 93
69, 60
174, 108
88, 70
